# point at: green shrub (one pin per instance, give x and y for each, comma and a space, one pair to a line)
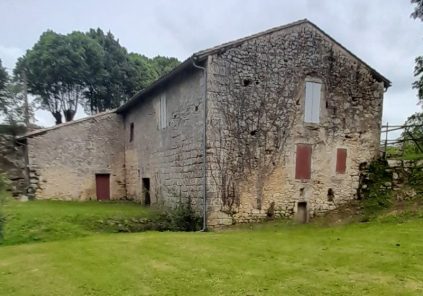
184, 218
415, 179
8, 129
378, 194
181, 218
3, 186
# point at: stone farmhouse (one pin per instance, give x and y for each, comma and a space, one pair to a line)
275, 124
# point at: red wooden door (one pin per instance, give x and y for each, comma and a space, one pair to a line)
102, 185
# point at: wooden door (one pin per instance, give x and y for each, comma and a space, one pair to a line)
102, 184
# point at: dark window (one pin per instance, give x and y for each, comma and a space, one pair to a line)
146, 191
302, 213
341, 160
303, 162
131, 132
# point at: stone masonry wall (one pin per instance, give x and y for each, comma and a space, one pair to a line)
63, 161
170, 157
12, 163
256, 98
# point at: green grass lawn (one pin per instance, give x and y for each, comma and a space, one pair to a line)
59, 248
383, 257
56, 220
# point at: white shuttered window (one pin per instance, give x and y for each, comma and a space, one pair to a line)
312, 102
163, 111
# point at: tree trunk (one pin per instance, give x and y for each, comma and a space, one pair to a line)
58, 116
69, 114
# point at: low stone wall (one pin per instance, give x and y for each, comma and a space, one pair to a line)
12, 163
403, 178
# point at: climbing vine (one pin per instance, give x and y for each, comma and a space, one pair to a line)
256, 94
257, 111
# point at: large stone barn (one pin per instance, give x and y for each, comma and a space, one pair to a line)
274, 124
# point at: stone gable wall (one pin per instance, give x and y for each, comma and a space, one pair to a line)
171, 157
256, 118
63, 161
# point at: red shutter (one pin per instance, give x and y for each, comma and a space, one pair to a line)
341, 160
303, 162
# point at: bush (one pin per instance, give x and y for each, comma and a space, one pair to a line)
378, 194
184, 218
415, 179
8, 129
180, 218
3, 186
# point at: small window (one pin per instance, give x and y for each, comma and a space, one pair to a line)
341, 160
146, 191
312, 102
131, 132
163, 121
303, 162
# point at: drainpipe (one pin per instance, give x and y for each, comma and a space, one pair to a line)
204, 145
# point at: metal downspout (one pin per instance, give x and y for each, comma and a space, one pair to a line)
204, 146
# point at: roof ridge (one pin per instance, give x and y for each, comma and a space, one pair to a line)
200, 55
203, 53
224, 45
46, 129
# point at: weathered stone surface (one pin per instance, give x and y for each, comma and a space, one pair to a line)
256, 95
63, 161
256, 102
170, 157
12, 163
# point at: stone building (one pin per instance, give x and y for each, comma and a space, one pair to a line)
274, 124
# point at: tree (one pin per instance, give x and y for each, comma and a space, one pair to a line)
91, 69
164, 65
11, 100
418, 71
14, 105
418, 10
418, 68
412, 136
122, 73
4, 78
56, 68
145, 71
113, 83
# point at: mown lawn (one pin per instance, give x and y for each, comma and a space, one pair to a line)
376, 258
55, 220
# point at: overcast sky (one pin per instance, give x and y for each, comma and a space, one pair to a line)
380, 32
